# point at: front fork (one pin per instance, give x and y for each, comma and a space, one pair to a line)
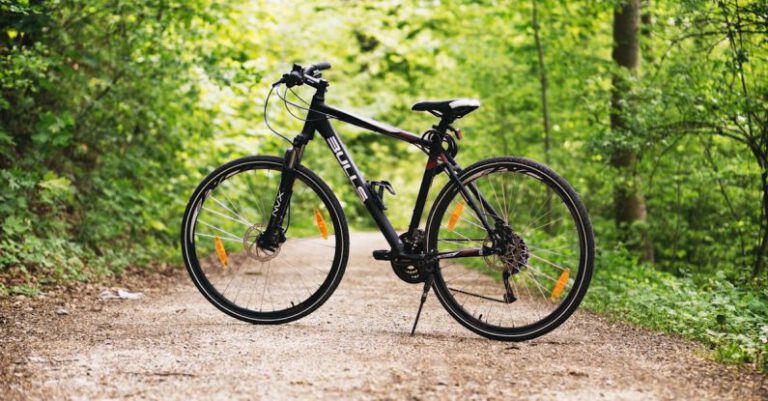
274, 234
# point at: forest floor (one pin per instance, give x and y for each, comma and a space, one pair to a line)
172, 344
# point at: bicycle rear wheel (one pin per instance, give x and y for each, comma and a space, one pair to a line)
224, 217
542, 276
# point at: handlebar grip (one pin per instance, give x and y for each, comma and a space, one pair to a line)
323, 65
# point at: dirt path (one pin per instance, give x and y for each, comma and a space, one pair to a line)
174, 345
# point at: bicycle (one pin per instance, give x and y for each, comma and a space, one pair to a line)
507, 245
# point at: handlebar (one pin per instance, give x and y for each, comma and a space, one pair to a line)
300, 75
323, 65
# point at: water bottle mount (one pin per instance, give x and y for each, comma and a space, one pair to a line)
377, 188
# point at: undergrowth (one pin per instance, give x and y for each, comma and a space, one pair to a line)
731, 320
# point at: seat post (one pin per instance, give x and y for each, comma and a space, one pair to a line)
442, 126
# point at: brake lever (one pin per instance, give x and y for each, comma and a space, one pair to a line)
293, 78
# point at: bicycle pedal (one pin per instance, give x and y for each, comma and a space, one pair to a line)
382, 254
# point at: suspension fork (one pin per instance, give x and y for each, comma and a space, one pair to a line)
274, 234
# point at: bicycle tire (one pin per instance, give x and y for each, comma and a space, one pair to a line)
198, 276
586, 244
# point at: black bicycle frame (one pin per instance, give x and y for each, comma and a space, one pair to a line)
318, 120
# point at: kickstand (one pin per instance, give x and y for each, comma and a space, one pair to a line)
427, 286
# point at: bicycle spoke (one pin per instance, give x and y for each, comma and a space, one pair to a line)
302, 281
477, 223
236, 206
264, 288
472, 223
546, 224
506, 204
259, 204
538, 286
241, 218
496, 196
535, 212
546, 261
549, 250
239, 241
291, 265
234, 236
227, 217
538, 273
465, 237
302, 263
552, 243
322, 245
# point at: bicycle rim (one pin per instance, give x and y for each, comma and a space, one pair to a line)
549, 262
226, 215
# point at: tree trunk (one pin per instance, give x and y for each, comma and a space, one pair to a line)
629, 202
544, 85
762, 251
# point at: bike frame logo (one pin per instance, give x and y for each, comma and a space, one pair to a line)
343, 159
278, 202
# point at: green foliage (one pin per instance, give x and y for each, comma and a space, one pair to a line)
112, 111
94, 114
732, 320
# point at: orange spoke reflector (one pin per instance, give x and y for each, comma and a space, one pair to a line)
560, 285
320, 221
221, 251
455, 216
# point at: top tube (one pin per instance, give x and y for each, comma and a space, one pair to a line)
372, 125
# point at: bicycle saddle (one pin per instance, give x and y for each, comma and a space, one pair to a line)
452, 108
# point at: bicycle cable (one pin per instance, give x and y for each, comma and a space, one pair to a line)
299, 97
266, 118
287, 102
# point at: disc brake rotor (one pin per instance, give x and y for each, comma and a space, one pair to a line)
252, 248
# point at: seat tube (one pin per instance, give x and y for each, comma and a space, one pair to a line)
426, 184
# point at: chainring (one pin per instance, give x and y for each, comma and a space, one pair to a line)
410, 271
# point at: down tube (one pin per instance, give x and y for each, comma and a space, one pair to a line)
358, 181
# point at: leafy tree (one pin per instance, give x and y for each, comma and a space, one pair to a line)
628, 200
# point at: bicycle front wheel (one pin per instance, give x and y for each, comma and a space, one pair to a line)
224, 218
543, 273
